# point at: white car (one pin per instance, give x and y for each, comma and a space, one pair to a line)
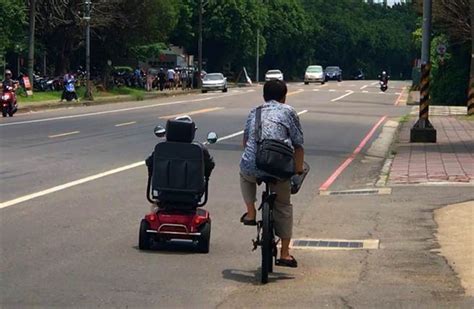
214, 81
314, 73
273, 75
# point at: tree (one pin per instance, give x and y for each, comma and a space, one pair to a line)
456, 18
12, 18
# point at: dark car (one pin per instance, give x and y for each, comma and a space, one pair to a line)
333, 73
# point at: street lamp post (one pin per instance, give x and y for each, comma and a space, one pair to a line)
87, 18
423, 131
200, 44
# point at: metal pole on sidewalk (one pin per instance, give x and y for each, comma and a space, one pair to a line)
257, 65
87, 18
423, 131
200, 44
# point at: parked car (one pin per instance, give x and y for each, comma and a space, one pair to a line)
333, 73
214, 81
273, 74
314, 73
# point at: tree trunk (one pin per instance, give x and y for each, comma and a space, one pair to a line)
31, 43
470, 98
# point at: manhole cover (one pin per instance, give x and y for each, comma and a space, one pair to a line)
379, 191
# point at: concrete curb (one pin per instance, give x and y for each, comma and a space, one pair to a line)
381, 147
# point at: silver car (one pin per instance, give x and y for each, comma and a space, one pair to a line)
273, 74
314, 73
214, 81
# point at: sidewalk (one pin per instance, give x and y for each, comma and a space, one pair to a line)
450, 160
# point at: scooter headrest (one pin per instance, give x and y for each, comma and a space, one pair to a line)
180, 130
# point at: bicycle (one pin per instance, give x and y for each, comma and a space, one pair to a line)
265, 231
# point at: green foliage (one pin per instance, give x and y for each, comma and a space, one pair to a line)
12, 17
143, 52
450, 77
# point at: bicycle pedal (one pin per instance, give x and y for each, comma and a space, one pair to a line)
255, 244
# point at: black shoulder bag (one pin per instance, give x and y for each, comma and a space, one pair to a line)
274, 157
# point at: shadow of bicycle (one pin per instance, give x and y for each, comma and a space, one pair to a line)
247, 276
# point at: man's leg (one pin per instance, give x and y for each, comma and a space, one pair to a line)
248, 187
283, 216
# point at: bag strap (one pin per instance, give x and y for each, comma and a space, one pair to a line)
258, 124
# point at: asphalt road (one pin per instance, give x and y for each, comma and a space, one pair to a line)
75, 243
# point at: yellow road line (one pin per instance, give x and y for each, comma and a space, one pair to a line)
200, 111
63, 134
294, 92
125, 124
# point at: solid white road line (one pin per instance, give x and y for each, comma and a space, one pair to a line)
125, 124
94, 177
117, 110
69, 185
63, 134
343, 96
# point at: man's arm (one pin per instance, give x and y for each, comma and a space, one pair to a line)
299, 159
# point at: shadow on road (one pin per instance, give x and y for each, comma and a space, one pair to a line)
246, 276
171, 248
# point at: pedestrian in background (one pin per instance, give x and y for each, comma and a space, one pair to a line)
161, 79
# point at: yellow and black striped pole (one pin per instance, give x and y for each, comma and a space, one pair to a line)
422, 131
425, 91
470, 96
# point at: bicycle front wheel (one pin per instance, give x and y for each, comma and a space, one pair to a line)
267, 238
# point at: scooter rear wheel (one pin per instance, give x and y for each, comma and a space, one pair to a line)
144, 239
204, 240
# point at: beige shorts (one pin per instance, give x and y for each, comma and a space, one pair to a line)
282, 210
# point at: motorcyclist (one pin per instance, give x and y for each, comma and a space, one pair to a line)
208, 160
384, 77
9, 82
67, 79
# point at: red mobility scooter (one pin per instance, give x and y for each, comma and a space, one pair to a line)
178, 187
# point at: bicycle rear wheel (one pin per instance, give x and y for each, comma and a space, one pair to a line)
267, 238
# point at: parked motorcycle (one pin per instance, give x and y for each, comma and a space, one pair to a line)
8, 101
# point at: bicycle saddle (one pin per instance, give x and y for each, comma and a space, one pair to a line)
266, 179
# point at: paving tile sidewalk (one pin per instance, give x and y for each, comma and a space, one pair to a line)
451, 159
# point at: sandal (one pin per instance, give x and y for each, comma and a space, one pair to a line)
246, 221
287, 263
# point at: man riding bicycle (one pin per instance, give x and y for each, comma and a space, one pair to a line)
278, 121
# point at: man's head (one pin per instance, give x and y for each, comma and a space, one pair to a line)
275, 90
8, 74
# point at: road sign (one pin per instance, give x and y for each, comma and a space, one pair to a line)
441, 49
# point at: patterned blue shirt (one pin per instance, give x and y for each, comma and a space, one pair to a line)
279, 121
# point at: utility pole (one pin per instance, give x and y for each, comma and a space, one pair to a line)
423, 131
31, 41
87, 18
257, 65
200, 44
